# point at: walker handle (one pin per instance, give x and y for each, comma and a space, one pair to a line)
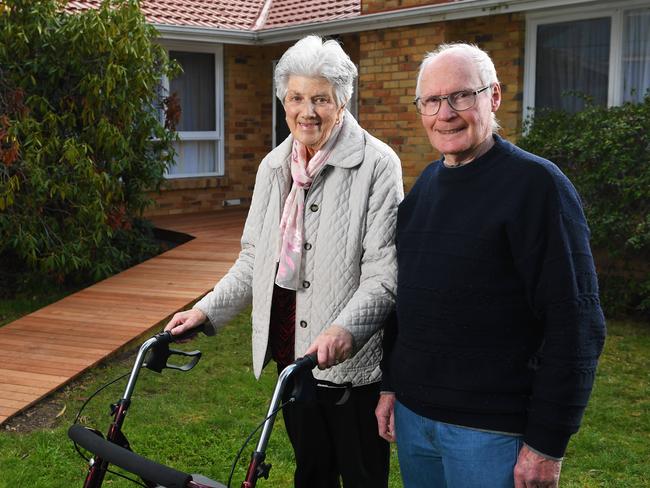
128, 460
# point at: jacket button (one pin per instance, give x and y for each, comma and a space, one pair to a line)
313, 207
303, 324
307, 246
306, 284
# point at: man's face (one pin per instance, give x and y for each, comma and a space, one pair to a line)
458, 135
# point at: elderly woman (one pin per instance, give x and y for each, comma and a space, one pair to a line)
318, 264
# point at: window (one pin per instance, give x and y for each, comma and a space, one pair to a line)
636, 54
578, 56
200, 130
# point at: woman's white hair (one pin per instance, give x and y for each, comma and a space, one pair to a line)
486, 71
313, 57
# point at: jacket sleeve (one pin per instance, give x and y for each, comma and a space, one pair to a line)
234, 291
550, 242
368, 307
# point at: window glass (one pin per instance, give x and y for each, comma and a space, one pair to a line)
196, 154
636, 55
196, 91
194, 158
572, 58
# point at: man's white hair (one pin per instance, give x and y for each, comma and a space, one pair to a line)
485, 67
312, 57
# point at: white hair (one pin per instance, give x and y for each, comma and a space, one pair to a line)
312, 57
486, 71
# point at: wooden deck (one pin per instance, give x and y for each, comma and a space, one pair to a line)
42, 351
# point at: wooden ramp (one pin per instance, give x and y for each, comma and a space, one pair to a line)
44, 350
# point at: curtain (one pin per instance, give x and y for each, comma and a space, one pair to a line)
194, 158
572, 59
195, 88
636, 55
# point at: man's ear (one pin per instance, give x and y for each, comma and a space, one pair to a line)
495, 100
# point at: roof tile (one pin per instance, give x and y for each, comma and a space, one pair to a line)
238, 14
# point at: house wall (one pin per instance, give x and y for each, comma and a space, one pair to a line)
247, 133
248, 112
388, 64
390, 61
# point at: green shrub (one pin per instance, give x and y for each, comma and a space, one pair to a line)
606, 154
80, 139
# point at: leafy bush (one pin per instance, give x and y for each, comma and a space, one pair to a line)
80, 139
606, 154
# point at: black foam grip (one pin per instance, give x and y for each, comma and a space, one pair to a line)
125, 459
188, 334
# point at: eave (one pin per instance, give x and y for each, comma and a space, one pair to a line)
461, 9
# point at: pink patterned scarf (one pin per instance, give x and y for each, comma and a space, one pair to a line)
291, 224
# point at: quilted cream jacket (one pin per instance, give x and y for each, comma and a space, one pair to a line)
348, 270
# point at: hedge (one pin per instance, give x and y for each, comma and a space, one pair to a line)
81, 139
606, 154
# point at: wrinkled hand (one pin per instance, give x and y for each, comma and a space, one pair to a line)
535, 471
333, 346
385, 413
184, 321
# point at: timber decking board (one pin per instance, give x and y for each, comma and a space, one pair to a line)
43, 351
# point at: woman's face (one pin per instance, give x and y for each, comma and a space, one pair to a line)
311, 111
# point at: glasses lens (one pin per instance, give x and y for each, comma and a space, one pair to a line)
428, 106
462, 100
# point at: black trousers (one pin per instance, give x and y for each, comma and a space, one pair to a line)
338, 442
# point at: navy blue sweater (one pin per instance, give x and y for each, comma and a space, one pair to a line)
499, 321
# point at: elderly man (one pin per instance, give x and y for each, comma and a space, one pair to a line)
499, 326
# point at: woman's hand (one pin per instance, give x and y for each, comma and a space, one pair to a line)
184, 321
333, 346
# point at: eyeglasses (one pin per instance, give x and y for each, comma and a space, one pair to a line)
458, 101
299, 100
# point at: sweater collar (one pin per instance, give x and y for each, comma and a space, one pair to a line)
478, 164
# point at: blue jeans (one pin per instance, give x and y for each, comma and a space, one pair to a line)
437, 455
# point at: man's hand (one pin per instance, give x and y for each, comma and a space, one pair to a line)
385, 413
184, 321
535, 471
333, 346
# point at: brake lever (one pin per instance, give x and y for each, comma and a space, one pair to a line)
160, 354
195, 355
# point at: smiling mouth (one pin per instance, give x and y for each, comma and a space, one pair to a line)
308, 125
450, 131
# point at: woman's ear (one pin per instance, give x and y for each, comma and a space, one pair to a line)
339, 113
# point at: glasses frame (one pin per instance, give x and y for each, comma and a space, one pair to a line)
447, 97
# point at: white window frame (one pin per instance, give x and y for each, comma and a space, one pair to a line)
216, 135
615, 10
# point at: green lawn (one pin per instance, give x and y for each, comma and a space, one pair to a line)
196, 421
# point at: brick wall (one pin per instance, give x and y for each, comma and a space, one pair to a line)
248, 98
389, 63
374, 6
248, 110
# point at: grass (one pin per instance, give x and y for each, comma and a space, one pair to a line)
197, 421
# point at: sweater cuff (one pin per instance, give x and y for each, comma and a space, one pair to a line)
545, 456
386, 384
547, 442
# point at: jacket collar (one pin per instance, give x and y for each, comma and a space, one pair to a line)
347, 153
